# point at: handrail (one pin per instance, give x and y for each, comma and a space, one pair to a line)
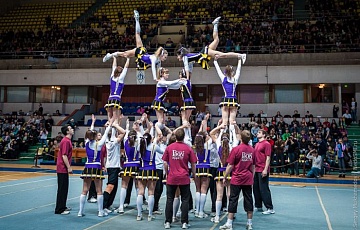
269, 49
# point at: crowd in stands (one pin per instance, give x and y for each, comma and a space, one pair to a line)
266, 28
17, 134
291, 142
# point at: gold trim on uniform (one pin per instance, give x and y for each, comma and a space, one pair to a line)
93, 173
147, 175
113, 103
229, 102
203, 172
139, 52
129, 171
220, 176
158, 105
188, 105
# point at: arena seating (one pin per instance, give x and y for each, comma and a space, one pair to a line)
32, 16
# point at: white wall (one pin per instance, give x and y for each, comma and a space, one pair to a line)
317, 109
249, 75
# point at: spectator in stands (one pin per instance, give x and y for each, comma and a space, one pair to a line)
169, 43
347, 117
43, 137
316, 163
353, 110
140, 110
143, 59
335, 111
117, 77
296, 114
59, 137
41, 109
345, 106
170, 123
49, 123
341, 151
57, 113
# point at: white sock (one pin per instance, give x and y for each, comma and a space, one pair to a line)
176, 205
249, 222
139, 203
137, 26
100, 202
229, 222
202, 203
197, 202
82, 203
151, 202
218, 205
122, 197
216, 27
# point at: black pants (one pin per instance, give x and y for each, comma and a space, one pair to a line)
62, 192
261, 191
159, 188
92, 191
234, 198
185, 197
114, 180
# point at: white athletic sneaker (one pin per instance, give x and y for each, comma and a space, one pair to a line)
249, 227
150, 218
136, 15
175, 219
215, 219
226, 226
269, 211
202, 215
102, 214
138, 218
258, 210
80, 214
167, 225
65, 212
216, 21
126, 205
107, 57
120, 210
107, 210
185, 226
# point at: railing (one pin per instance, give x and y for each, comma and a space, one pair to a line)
277, 49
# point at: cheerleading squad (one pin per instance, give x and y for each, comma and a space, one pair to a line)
222, 160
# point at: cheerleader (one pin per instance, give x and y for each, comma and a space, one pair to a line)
112, 165
223, 148
132, 160
229, 104
147, 176
188, 105
117, 77
143, 59
203, 145
205, 55
162, 88
93, 170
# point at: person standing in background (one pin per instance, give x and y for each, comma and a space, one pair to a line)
261, 188
353, 110
63, 168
